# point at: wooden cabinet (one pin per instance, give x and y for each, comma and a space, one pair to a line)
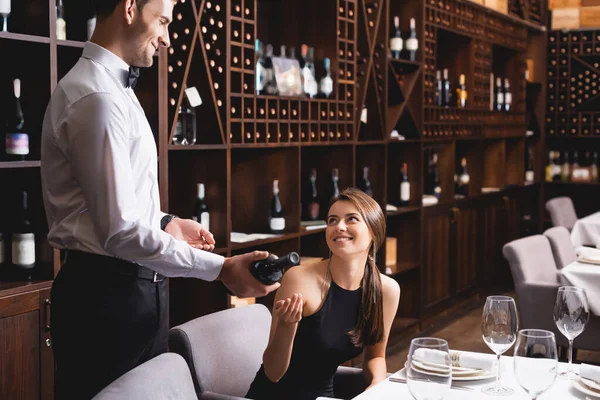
26, 364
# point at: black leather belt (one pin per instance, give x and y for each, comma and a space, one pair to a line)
112, 265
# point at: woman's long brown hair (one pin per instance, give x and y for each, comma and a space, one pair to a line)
369, 328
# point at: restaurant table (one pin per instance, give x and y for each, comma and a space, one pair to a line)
586, 231
561, 389
586, 276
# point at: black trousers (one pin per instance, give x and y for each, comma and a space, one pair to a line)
103, 324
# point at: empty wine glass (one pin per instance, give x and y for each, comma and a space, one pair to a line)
5, 12
429, 369
499, 327
535, 361
571, 315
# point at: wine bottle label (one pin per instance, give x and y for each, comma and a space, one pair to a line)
261, 77
277, 224
205, 220
326, 86
23, 249
465, 179
405, 191
193, 96
412, 44
61, 29
396, 44
363, 115
581, 173
508, 98
437, 190
17, 143
500, 98
463, 94
529, 176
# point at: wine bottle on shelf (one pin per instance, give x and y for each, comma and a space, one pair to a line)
308, 74
461, 92
366, 183
529, 170
438, 88
335, 178
201, 212
270, 85
271, 269
282, 51
261, 72
23, 239
463, 179
446, 95
61, 25
276, 218
363, 123
565, 172
434, 178
507, 95
404, 186
292, 53
185, 129
17, 141
5, 12
396, 40
498, 95
412, 44
594, 167
326, 84
303, 56
313, 207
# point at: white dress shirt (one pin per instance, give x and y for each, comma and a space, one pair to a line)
99, 172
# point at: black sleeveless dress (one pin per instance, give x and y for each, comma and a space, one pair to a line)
321, 344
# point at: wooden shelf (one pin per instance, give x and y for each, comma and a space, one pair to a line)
20, 164
256, 243
10, 288
24, 38
403, 210
404, 267
305, 232
70, 43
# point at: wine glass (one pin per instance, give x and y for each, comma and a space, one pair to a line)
499, 327
571, 314
535, 361
5, 12
429, 368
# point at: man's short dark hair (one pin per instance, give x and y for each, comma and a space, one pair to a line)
106, 7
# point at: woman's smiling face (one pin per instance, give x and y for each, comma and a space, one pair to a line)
347, 233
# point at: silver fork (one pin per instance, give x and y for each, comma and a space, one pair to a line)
452, 386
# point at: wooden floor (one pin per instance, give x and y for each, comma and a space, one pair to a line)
464, 333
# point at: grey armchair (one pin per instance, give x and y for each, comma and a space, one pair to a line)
224, 351
562, 212
562, 247
164, 377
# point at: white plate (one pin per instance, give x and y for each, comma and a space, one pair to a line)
583, 389
482, 376
590, 383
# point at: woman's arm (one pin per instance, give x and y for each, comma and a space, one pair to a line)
375, 369
287, 312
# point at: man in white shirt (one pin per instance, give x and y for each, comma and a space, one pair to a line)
99, 178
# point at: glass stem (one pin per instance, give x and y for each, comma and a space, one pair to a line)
5, 23
498, 373
570, 366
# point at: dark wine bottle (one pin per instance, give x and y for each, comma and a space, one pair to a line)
396, 40
366, 183
462, 179
23, 239
271, 269
498, 96
312, 200
404, 186
363, 123
507, 95
438, 89
17, 142
446, 95
276, 218
201, 212
529, 170
335, 178
412, 43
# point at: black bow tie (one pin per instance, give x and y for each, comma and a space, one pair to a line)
134, 74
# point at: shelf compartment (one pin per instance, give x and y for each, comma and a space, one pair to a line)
371, 158
24, 37
28, 18
473, 152
409, 153
494, 164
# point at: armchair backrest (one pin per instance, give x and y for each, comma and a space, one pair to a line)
562, 247
562, 212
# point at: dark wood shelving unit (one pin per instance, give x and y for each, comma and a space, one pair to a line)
19, 164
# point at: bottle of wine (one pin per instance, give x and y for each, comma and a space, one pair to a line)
366, 183
261, 72
335, 178
312, 200
270, 84
308, 74
396, 40
363, 123
404, 186
565, 173
17, 142
61, 25
201, 212
529, 171
326, 84
276, 218
498, 95
463, 179
282, 51
594, 167
412, 44
271, 269
185, 129
5, 12
507, 95
23, 239
436, 188
461, 92
446, 95
438, 88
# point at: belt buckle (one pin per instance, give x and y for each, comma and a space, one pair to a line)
155, 278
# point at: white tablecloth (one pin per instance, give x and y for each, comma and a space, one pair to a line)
585, 276
560, 390
586, 231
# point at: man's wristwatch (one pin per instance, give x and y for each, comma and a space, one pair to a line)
164, 221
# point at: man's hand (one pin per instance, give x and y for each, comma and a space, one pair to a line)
191, 232
236, 275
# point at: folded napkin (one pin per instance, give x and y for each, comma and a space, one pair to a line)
588, 255
590, 372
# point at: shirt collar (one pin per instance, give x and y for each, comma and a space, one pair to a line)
113, 63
